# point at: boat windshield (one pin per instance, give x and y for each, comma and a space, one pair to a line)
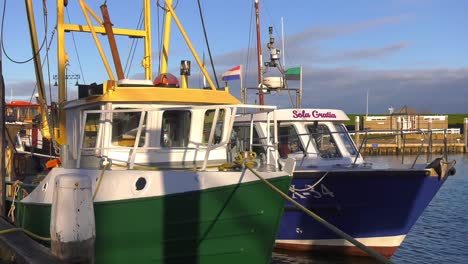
346, 139
323, 140
289, 141
125, 127
176, 128
208, 123
240, 140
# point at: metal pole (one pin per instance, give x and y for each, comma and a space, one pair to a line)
261, 96
429, 148
465, 134
356, 129
2, 139
243, 91
300, 89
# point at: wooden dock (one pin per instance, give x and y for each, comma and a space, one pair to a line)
17, 247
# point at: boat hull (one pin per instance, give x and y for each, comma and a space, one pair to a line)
226, 224
377, 207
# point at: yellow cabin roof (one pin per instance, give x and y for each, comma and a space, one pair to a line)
161, 95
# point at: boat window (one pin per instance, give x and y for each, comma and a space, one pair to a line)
125, 128
240, 140
289, 141
91, 129
347, 141
208, 123
323, 141
175, 128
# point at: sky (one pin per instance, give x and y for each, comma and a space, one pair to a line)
359, 56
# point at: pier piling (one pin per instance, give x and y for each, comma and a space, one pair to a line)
465, 134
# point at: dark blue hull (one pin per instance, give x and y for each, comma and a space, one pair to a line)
368, 204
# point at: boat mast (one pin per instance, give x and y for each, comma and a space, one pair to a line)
2, 136
38, 69
166, 39
261, 97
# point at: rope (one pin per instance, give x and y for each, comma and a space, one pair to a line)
322, 221
29, 233
11, 215
311, 186
108, 164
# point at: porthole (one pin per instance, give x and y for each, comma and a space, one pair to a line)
44, 187
140, 184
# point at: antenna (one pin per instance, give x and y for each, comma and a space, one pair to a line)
274, 53
282, 42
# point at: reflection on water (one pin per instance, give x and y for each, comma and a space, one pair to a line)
289, 257
439, 236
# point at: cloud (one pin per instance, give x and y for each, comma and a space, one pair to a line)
26, 91
367, 53
435, 90
327, 32
304, 47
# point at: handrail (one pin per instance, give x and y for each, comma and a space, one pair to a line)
403, 133
135, 148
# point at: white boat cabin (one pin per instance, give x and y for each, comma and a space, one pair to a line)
162, 135
314, 137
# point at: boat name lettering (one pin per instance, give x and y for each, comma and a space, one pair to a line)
303, 114
310, 190
315, 114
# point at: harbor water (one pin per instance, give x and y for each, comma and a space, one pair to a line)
439, 236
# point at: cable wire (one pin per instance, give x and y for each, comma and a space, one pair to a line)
207, 43
43, 41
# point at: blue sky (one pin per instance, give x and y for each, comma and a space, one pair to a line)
400, 52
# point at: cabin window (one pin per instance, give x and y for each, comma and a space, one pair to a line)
175, 128
208, 123
289, 141
125, 128
323, 140
240, 140
91, 130
347, 141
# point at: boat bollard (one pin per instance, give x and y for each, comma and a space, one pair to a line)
72, 226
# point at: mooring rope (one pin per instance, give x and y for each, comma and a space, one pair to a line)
322, 221
16, 229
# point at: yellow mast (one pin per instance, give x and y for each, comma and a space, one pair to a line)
62, 58
166, 38
38, 68
114, 93
187, 40
60, 133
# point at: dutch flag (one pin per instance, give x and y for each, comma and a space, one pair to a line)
232, 74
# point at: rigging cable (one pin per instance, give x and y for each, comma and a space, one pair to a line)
44, 9
76, 48
207, 44
279, 66
247, 65
160, 40
132, 49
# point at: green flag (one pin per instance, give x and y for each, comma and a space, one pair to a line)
293, 74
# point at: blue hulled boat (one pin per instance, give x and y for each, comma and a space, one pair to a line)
377, 206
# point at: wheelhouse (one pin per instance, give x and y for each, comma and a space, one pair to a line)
304, 134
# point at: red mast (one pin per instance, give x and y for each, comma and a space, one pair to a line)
259, 55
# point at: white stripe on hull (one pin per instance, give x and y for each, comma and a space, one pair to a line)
389, 241
121, 184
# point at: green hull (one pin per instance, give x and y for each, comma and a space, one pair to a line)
229, 224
